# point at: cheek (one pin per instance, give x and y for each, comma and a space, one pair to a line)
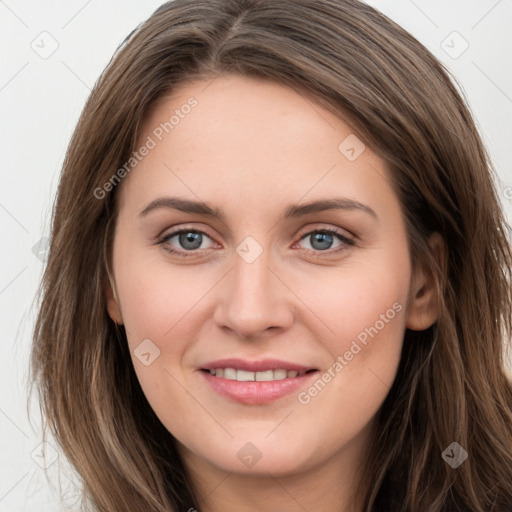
157, 299
368, 328
160, 307
363, 305
364, 354
165, 305
359, 302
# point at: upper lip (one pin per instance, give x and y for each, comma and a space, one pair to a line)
255, 366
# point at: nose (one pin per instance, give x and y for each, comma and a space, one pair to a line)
255, 300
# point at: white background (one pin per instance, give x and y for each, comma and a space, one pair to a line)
40, 101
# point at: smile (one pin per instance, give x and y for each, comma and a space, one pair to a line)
261, 376
252, 382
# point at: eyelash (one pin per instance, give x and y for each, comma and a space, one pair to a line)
187, 254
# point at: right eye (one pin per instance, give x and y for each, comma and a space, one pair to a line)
183, 241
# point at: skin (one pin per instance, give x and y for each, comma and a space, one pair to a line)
250, 148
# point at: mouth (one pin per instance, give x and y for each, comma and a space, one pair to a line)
256, 382
259, 376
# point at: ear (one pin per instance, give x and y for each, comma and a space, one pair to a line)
423, 308
113, 307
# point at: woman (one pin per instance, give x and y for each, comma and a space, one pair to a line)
279, 275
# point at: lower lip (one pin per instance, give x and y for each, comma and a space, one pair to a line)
254, 392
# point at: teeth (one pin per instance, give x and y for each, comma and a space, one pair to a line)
229, 373
264, 376
245, 376
242, 375
279, 374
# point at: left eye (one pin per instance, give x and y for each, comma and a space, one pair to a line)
321, 240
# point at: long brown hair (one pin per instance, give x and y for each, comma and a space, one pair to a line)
451, 385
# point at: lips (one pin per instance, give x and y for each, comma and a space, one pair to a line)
262, 376
256, 366
256, 382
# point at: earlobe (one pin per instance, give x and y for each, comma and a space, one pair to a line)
423, 307
113, 307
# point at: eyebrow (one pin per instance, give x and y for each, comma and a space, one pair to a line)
292, 211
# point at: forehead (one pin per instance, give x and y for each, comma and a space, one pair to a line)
246, 115
244, 140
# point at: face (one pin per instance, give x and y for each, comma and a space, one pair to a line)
261, 270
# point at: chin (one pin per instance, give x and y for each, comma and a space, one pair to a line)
259, 456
